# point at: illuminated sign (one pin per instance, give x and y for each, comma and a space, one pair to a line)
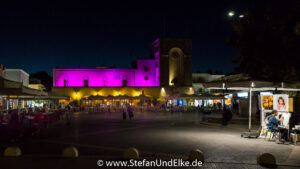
242, 94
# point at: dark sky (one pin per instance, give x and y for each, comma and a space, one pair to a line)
37, 36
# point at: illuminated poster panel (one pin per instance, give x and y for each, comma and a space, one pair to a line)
267, 102
281, 102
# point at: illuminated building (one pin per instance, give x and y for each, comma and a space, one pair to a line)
169, 70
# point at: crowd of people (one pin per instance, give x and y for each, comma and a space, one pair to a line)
15, 124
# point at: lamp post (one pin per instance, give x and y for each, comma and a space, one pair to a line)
249, 133
223, 86
250, 104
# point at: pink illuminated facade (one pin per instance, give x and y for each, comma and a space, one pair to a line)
145, 75
170, 65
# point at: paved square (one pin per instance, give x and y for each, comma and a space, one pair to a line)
161, 135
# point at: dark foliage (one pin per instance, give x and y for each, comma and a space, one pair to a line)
209, 71
45, 79
268, 42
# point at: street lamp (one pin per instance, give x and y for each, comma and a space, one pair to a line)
249, 133
241, 16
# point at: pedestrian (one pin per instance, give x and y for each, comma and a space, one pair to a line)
14, 126
108, 109
68, 115
68, 118
227, 116
124, 113
130, 111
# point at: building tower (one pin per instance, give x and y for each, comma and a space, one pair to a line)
173, 58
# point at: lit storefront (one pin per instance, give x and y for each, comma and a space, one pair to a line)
13, 95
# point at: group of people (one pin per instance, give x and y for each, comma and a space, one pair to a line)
17, 123
130, 111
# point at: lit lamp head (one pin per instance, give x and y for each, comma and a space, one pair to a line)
231, 13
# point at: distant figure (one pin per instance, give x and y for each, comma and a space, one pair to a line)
14, 126
199, 108
219, 105
69, 107
68, 115
68, 118
124, 113
130, 111
227, 116
45, 109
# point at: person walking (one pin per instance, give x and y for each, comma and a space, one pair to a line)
124, 113
130, 111
227, 116
68, 115
14, 126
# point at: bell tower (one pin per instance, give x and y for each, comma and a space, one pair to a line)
174, 61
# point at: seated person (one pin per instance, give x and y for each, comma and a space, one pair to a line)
273, 125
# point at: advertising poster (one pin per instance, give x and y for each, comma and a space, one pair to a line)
267, 102
281, 102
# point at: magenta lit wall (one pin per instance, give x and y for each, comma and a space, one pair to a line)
144, 75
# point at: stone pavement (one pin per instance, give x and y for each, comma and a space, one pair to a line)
155, 135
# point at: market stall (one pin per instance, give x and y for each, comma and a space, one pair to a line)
279, 102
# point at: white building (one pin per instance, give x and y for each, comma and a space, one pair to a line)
17, 75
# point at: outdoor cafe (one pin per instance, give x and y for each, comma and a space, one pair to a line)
25, 111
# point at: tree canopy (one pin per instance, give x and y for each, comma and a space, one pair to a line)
268, 42
45, 79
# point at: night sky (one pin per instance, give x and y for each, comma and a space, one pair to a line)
38, 36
